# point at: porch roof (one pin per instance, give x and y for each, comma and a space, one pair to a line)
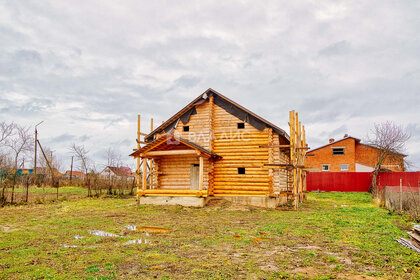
170, 142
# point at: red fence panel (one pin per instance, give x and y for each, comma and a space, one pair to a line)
409, 179
339, 181
358, 181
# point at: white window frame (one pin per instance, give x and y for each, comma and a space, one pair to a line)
322, 167
341, 167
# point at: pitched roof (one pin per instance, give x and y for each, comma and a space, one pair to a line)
348, 137
119, 171
373, 146
75, 173
226, 103
345, 138
168, 142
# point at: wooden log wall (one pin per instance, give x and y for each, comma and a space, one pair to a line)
175, 171
280, 177
239, 148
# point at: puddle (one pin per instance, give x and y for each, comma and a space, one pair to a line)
136, 241
102, 233
69, 246
76, 246
7, 228
131, 227
259, 239
148, 229
78, 237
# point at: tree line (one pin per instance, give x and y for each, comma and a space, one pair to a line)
18, 149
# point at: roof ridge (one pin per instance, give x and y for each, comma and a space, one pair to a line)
193, 103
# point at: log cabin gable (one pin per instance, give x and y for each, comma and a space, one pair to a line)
195, 121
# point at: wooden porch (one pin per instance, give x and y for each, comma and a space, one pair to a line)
161, 157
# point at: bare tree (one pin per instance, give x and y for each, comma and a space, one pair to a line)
50, 162
6, 130
390, 140
113, 160
81, 155
19, 142
53, 160
113, 157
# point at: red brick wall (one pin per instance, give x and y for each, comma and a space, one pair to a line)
368, 156
325, 156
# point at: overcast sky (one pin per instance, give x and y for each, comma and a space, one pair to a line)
87, 68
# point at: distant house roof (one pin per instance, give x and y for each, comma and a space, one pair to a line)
224, 102
348, 137
46, 171
345, 138
75, 173
119, 171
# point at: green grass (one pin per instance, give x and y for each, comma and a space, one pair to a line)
62, 190
331, 236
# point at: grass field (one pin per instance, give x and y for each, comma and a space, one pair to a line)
332, 236
39, 195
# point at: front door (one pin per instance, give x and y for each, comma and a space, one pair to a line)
195, 176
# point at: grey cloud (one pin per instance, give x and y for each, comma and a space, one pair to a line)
186, 82
34, 107
84, 138
27, 56
336, 48
91, 69
63, 138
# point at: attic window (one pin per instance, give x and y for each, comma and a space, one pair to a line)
186, 128
338, 151
241, 170
241, 125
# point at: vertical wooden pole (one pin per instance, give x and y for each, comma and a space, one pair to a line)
210, 190
295, 143
401, 195
144, 173
151, 161
36, 145
291, 147
304, 161
299, 152
201, 173
71, 169
151, 124
270, 161
419, 191
138, 160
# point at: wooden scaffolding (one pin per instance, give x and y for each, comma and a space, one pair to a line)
145, 172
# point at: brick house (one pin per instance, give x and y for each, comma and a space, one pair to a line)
349, 155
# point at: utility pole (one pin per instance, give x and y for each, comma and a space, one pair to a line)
36, 144
71, 169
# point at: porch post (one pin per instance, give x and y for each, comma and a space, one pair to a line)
144, 174
201, 173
